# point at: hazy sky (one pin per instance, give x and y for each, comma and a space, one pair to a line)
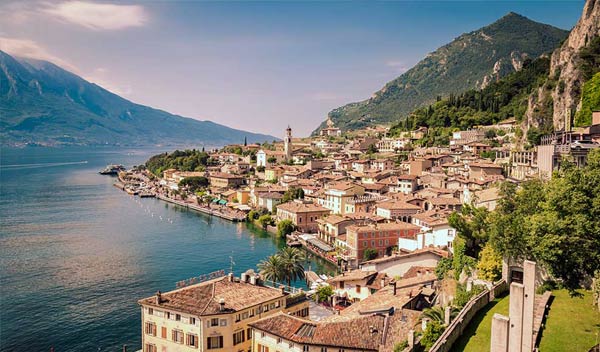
257, 66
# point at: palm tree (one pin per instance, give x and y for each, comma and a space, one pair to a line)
438, 314
272, 268
293, 264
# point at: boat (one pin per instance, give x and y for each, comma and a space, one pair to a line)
112, 169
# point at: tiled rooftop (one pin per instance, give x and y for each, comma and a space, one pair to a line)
203, 299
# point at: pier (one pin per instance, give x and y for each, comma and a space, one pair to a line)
205, 210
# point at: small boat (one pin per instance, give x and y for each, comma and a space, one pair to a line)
112, 169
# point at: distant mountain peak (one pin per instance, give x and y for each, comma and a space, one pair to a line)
472, 60
41, 103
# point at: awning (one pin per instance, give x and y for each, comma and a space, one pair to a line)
321, 245
222, 202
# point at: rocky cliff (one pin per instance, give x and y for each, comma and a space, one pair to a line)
559, 98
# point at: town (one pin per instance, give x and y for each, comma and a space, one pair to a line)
377, 207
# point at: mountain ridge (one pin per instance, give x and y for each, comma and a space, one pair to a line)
472, 60
42, 103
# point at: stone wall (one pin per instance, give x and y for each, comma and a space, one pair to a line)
462, 320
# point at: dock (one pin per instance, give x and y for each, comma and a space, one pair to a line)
201, 209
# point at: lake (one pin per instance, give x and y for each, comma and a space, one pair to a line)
76, 253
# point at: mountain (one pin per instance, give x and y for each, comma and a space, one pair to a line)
572, 90
44, 104
473, 60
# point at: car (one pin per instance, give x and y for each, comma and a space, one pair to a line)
584, 144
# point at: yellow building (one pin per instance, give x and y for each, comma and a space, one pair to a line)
213, 315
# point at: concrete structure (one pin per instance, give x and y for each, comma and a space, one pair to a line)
516, 332
499, 340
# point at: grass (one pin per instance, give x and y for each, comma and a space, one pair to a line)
573, 324
476, 337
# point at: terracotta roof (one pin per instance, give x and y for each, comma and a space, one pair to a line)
300, 207
397, 205
203, 299
353, 275
362, 333
390, 226
224, 175
417, 271
439, 252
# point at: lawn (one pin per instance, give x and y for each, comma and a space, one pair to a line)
476, 337
573, 324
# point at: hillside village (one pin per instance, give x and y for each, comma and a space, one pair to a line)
379, 208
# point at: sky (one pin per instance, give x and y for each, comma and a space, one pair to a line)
256, 66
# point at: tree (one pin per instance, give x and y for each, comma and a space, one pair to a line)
490, 264
194, 183
372, 149
432, 333
271, 160
323, 293
265, 220
272, 268
438, 314
253, 215
400, 346
370, 254
292, 193
285, 227
292, 261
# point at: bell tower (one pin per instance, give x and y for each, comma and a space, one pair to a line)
287, 142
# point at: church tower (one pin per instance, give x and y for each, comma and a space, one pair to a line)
288, 143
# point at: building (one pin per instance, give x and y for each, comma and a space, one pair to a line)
380, 237
390, 145
356, 285
338, 194
332, 226
303, 214
464, 137
222, 180
399, 210
287, 144
213, 315
330, 130
400, 264
401, 184
269, 200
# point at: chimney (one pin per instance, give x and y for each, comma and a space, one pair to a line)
221, 304
158, 297
253, 280
230, 277
244, 277
382, 282
282, 288
395, 288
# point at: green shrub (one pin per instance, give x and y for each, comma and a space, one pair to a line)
431, 334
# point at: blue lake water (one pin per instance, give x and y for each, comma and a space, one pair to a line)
76, 253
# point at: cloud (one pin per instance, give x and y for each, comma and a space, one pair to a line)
30, 49
100, 77
99, 16
397, 66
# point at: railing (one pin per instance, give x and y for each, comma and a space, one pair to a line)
459, 324
295, 299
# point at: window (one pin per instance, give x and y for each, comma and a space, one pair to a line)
262, 348
192, 340
251, 312
272, 306
223, 322
177, 336
214, 342
249, 333
150, 328
262, 334
192, 320
323, 349
163, 332
214, 322
238, 337
279, 340
357, 288
150, 348
291, 345
178, 317
238, 317
150, 311
305, 348
266, 308
341, 284
167, 315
